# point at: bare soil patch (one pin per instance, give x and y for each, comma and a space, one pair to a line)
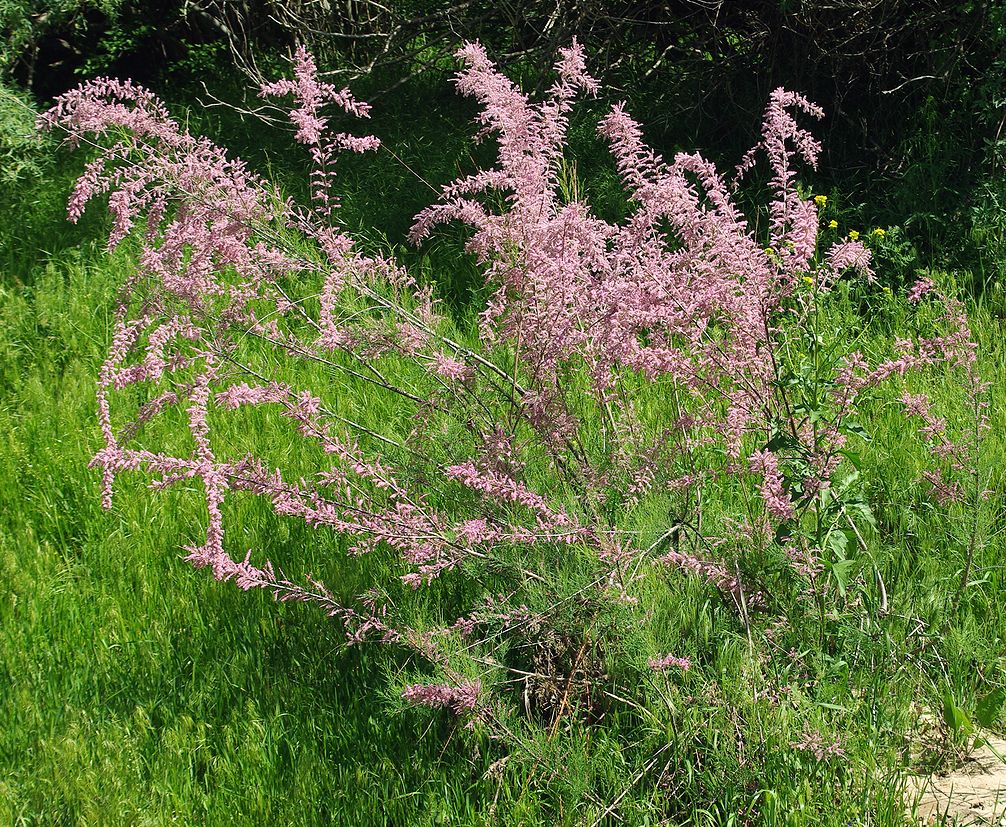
974, 793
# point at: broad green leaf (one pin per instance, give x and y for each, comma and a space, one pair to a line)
989, 707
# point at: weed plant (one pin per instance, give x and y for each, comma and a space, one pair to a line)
592, 636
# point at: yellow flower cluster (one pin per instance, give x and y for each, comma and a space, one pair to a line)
820, 200
833, 224
854, 235
880, 232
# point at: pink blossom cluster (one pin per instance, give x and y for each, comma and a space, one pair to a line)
804, 563
816, 744
778, 504
210, 266
684, 289
714, 572
665, 662
460, 699
956, 456
613, 359
312, 94
447, 367
502, 488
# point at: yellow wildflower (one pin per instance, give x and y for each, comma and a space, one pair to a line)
833, 224
854, 235
880, 232
808, 281
820, 200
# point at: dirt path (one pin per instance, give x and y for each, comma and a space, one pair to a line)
973, 794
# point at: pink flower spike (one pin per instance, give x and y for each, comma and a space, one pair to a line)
665, 662
460, 699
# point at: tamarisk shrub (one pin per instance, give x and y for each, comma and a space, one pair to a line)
641, 401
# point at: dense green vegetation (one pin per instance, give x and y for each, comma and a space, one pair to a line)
135, 690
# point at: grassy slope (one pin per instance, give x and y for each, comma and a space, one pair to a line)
132, 689
136, 690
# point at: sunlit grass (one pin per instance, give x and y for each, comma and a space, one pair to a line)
135, 690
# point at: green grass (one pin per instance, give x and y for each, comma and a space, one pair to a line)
135, 690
